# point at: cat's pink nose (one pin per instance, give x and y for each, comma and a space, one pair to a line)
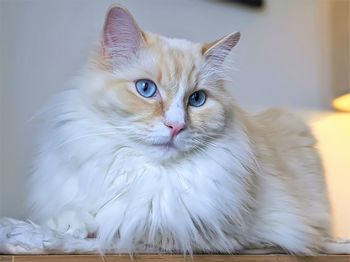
176, 128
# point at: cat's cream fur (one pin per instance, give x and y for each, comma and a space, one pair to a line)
229, 182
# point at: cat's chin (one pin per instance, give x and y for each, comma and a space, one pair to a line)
163, 152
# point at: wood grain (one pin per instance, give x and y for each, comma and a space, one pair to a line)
172, 258
5, 258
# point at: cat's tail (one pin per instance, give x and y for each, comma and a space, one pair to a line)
337, 247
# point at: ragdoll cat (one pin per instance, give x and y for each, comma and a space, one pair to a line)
148, 151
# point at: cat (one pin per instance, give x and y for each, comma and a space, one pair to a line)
148, 151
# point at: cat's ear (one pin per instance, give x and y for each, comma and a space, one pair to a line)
218, 50
122, 37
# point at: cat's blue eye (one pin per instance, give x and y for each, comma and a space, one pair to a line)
146, 88
197, 98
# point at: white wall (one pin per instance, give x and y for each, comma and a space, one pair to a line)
283, 59
2, 196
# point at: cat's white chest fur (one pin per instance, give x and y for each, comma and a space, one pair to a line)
176, 206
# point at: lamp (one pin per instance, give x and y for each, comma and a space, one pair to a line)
340, 42
342, 103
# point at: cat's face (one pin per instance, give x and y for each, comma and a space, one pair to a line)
166, 96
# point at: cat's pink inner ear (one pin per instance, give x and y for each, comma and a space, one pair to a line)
219, 49
122, 37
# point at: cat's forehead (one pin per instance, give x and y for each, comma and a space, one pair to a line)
177, 62
175, 50
178, 44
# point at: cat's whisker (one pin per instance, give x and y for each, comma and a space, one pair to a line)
72, 140
114, 158
247, 168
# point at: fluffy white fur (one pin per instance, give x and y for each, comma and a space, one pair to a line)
257, 183
26, 237
87, 168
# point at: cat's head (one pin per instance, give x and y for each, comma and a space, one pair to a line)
165, 96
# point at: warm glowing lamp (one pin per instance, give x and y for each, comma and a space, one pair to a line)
342, 103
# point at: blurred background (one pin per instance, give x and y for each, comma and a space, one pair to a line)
293, 53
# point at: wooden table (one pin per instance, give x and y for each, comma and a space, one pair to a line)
172, 258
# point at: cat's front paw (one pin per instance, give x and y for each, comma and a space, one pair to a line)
73, 223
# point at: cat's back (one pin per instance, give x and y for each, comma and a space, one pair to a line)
289, 143
285, 128
291, 150
291, 186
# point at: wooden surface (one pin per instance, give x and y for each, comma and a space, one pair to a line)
171, 258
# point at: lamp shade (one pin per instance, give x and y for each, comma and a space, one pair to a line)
342, 103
